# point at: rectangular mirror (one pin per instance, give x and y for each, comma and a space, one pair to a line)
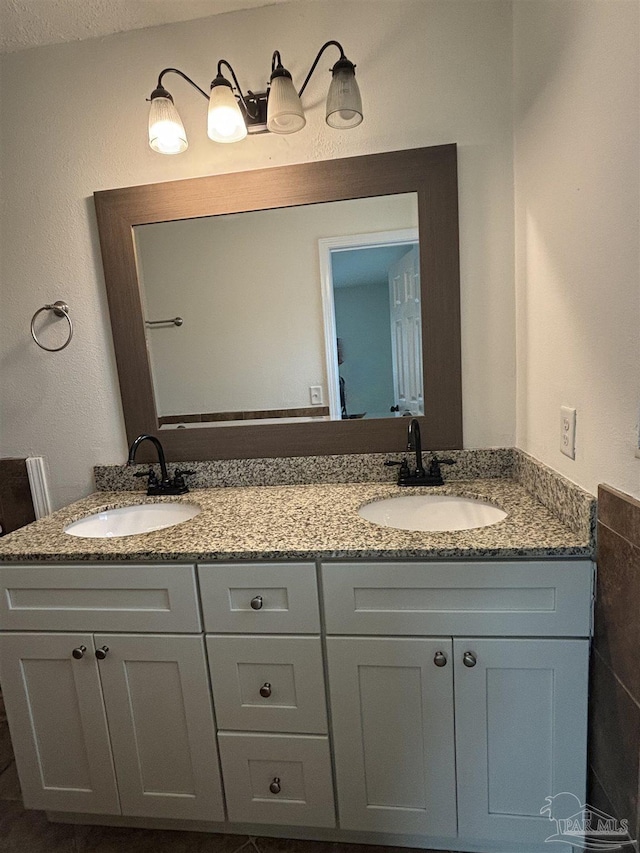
261, 299
289, 311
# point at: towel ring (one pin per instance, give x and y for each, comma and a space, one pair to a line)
60, 309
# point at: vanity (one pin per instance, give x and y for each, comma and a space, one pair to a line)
278, 665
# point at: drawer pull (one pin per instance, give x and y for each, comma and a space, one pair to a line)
256, 603
79, 652
440, 659
469, 659
265, 690
274, 787
102, 652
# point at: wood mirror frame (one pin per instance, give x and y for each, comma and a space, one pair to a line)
431, 173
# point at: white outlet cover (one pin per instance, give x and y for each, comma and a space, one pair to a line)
315, 395
568, 431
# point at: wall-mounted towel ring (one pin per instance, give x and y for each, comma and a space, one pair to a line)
60, 309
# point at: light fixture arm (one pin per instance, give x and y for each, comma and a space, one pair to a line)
317, 59
224, 62
184, 77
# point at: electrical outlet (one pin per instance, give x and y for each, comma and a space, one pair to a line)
315, 394
568, 431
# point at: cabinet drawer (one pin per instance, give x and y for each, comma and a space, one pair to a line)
268, 684
544, 598
99, 598
269, 598
281, 779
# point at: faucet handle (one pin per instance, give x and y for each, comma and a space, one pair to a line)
152, 479
178, 478
434, 466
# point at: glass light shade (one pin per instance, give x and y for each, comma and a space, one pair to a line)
284, 110
344, 104
225, 122
166, 131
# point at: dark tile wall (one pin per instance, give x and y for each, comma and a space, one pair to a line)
16, 508
614, 714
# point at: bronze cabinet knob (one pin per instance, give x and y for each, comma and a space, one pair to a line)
101, 653
265, 690
274, 787
256, 602
440, 659
79, 652
469, 659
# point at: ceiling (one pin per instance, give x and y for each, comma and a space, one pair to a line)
30, 23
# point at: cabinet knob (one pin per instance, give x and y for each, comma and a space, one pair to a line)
440, 659
469, 659
265, 690
256, 603
101, 653
274, 787
79, 652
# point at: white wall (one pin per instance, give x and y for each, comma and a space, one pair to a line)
577, 181
249, 291
74, 121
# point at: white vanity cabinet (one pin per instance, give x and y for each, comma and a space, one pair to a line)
103, 721
457, 695
519, 704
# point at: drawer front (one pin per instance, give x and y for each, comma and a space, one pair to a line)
539, 598
99, 598
279, 779
268, 684
260, 598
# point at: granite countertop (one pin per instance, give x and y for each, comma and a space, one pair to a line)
301, 522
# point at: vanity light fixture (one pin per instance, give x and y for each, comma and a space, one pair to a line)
233, 114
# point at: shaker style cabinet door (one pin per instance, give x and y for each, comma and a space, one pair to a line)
161, 721
52, 694
392, 713
521, 732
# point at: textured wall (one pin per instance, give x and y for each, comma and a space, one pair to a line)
577, 138
74, 121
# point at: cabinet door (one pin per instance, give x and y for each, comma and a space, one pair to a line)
161, 721
392, 713
57, 721
521, 733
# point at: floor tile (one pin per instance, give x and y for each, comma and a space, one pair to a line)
6, 748
26, 831
105, 839
10, 784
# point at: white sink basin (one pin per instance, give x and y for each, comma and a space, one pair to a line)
131, 520
432, 512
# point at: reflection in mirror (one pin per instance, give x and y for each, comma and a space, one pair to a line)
372, 307
265, 295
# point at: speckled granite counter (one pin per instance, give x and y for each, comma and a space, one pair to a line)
301, 522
